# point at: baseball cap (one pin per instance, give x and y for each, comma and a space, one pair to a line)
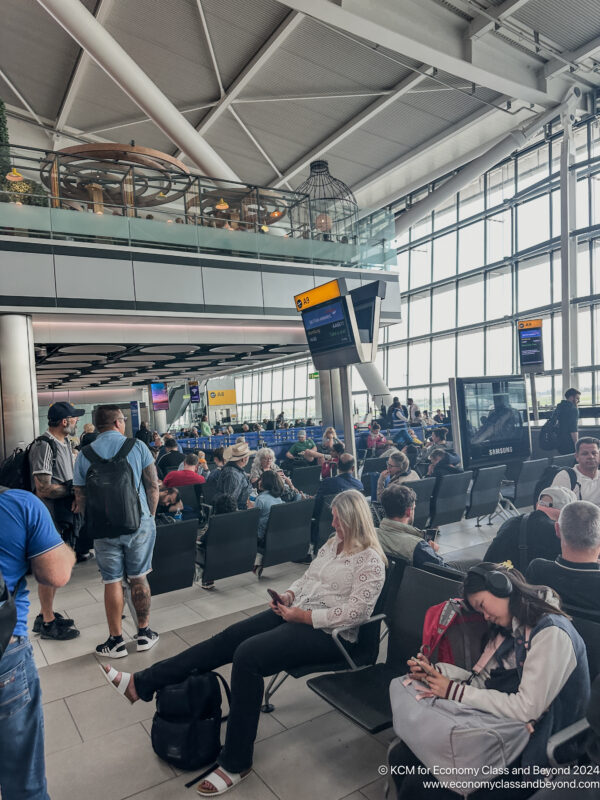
60, 411
561, 496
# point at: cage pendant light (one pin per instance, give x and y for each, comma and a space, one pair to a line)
333, 212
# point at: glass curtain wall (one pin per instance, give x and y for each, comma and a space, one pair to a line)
467, 272
489, 256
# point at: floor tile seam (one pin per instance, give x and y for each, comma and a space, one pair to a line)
64, 700
264, 783
298, 724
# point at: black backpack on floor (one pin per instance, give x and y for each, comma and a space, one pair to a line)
186, 728
112, 501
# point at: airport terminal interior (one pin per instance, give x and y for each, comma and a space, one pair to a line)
288, 226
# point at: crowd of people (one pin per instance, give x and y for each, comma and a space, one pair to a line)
107, 495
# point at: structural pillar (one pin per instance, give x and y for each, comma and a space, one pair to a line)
160, 421
568, 251
18, 387
332, 413
375, 384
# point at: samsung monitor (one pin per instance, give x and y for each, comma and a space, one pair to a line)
493, 419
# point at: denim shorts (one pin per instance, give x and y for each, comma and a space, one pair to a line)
127, 556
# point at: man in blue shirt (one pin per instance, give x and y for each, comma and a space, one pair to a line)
129, 555
27, 533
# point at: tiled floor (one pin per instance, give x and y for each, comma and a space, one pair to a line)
98, 746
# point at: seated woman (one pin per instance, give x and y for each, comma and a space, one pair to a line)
338, 590
264, 461
329, 468
398, 471
441, 464
376, 440
540, 669
271, 487
327, 442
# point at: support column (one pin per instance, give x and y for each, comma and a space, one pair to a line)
160, 421
375, 384
118, 65
568, 251
347, 409
331, 398
18, 386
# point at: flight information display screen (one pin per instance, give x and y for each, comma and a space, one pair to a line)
327, 326
530, 347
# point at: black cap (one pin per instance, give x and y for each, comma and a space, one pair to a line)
60, 411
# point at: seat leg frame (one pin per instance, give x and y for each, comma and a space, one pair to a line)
270, 690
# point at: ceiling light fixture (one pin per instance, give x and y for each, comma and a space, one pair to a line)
276, 214
222, 205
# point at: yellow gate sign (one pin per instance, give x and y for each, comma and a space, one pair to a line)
318, 295
223, 397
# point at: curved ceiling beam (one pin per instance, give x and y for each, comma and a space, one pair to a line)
118, 65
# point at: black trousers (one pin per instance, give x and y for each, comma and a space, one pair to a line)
257, 647
410, 787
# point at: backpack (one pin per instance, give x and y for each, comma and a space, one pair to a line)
8, 608
548, 476
186, 728
112, 501
452, 634
14, 470
443, 734
550, 430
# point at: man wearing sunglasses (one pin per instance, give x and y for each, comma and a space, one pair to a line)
122, 552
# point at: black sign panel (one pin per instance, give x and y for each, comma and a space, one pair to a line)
327, 326
530, 347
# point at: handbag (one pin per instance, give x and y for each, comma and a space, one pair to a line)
186, 728
453, 740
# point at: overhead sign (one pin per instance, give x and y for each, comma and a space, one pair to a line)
194, 392
320, 294
328, 326
531, 350
224, 397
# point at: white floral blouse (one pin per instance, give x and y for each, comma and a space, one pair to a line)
340, 590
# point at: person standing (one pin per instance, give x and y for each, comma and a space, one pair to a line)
27, 536
143, 433
120, 553
51, 466
205, 427
568, 418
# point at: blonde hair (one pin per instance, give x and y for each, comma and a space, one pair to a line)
355, 517
88, 428
330, 432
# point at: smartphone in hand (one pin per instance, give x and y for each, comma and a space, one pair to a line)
276, 598
431, 534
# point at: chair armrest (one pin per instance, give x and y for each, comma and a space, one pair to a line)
336, 638
562, 737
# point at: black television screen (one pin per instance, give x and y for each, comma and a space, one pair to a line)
493, 419
327, 326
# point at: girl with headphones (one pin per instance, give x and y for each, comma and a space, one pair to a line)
538, 673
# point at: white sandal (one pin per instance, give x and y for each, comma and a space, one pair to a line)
222, 780
122, 685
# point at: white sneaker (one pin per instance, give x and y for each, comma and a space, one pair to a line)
114, 648
146, 639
